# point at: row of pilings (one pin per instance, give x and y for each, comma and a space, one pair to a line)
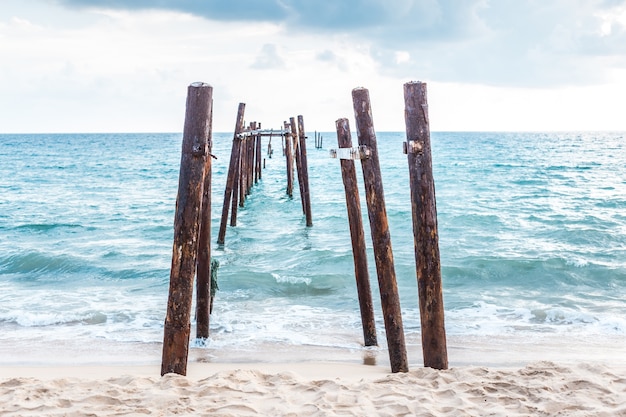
192, 234
245, 167
424, 219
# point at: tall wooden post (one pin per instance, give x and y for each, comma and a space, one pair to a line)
425, 233
243, 172
236, 188
353, 204
298, 157
306, 194
233, 168
203, 273
289, 159
251, 157
383, 254
259, 157
177, 326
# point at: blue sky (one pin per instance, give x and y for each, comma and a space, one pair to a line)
118, 66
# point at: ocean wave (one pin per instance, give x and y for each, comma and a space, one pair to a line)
43, 319
489, 318
31, 264
532, 239
47, 227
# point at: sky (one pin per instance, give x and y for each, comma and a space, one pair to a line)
490, 65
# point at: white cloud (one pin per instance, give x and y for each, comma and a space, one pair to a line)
268, 58
67, 69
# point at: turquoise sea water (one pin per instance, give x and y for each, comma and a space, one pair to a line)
532, 237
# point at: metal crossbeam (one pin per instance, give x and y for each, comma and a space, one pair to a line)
264, 132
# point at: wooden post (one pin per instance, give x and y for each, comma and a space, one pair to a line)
298, 157
258, 169
289, 158
353, 204
383, 254
251, 157
186, 229
236, 188
233, 169
425, 233
306, 195
203, 273
243, 173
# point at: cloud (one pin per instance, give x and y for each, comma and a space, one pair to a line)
326, 56
268, 58
211, 9
532, 43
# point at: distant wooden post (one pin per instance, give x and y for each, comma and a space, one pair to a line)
269, 148
233, 172
353, 204
196, 132
251, 157
425, 233
203, 273
298, 157
236, 188
243, 173
306, 191
289, 159
385, 269
258, 169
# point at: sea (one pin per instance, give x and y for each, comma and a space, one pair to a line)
532, 236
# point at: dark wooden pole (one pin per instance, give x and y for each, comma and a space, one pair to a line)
298, 157
251, 157
289, 159
177, 326
233, 168
425, 233
383, 254
353, 204
236, 188
306, 195
259, 156
243, 172
203, 273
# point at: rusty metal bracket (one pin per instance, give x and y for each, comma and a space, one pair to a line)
413, 146
361, 152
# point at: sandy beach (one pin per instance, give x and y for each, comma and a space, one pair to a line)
324, 389
480, 382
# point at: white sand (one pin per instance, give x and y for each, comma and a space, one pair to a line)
311, 389
506, 376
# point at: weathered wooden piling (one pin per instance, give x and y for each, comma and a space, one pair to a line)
318, 140
289, 159
203, 273
233, 173
306, 191
298, 158
258, 171
383, 254
357, 234
250, 153
177, 325
236, 190
425, 233
243, 173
